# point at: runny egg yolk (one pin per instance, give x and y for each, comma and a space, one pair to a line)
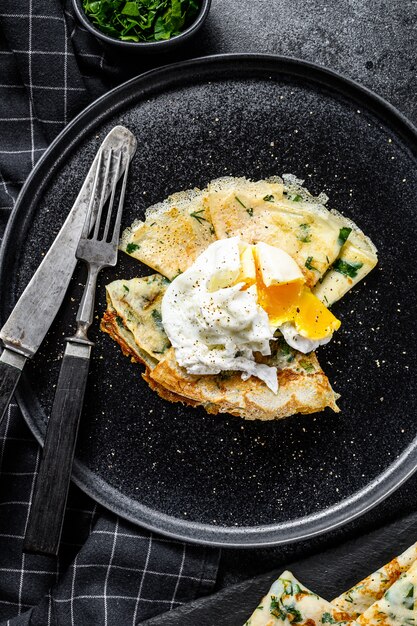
289, 301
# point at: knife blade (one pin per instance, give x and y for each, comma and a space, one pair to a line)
28, 323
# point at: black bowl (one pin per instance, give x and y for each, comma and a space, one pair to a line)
146, 47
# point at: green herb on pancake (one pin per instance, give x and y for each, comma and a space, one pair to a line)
132, 247
309, 265
346, 268
343, 235
197, 215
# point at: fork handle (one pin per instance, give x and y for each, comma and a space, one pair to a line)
44, 526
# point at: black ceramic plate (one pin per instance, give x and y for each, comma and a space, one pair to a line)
218, 479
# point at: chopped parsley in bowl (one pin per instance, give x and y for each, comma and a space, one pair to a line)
144, 24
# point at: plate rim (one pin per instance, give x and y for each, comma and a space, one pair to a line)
54, 156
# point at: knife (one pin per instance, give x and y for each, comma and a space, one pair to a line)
27, 325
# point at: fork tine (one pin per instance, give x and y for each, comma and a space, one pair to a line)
87, 221
103, 195
116, 229
113, 192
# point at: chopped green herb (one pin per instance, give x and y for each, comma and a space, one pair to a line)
240, 202
296, 615
309, 367
409, 598
269, 198
260, 608
126, 288
132, 247
347, 268
141, 20
276, 609
250, 212
309, 265
212, 231
296, 589
296, 198
197, 215
305, 236
119, 321
343, 235
327, 618
157, 318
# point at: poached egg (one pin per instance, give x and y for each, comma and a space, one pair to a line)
230, 302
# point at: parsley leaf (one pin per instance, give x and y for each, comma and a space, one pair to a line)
296, 198
343, 235
157, 318
250, 211
327, 618
269, 198
409, 598
126, 288
346, 268
141, 20
132, 247
275, 608
308, 264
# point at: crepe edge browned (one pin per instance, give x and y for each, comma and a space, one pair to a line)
166, 389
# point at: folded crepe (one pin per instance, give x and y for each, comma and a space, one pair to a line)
331, 251
133, 319
388, 597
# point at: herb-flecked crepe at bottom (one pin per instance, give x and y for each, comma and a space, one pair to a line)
176, 231
388, 597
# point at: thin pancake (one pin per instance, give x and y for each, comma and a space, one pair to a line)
357, 257
137, 303
289, 602
398, 606
361, 596
269, 212
133, 320
302, 389
174, 233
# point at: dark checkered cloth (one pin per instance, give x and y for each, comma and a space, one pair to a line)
108, 571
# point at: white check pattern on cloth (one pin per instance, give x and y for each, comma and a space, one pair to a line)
108, 571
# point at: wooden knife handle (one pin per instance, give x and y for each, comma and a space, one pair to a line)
46, 517
9, 377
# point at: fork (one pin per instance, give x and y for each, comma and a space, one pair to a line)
44, 527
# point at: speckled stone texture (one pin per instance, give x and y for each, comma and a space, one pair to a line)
371, 41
